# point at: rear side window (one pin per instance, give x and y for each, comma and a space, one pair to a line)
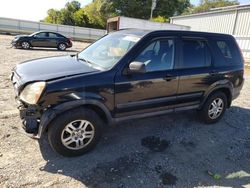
195, 54
54, 35
224, 49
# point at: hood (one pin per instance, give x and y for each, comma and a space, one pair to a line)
51, 68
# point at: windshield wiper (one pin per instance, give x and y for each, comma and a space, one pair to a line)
82, 59
94, 65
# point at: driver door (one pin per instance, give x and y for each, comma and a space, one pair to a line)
40, 40
154, 90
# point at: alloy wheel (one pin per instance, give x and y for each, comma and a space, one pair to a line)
77, 134
62, 46
216, 108
25, 45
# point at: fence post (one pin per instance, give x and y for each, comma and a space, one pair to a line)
235, 21
19, 26
89, 33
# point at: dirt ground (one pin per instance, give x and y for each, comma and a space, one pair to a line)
175, 150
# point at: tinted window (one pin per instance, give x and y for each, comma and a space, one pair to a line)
195, 54
158, 55
54, 35
224, 49
228, 52
42, 35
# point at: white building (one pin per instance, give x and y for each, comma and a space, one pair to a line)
234, 20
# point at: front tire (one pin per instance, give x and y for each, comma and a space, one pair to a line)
75, 132
214, 108
25, 45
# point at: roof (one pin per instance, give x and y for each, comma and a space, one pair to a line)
141, 32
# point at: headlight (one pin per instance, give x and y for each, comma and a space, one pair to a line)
32, 92
15, 39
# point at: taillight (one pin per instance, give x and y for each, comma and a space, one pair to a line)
70, 40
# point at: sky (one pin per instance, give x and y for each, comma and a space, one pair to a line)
36, 10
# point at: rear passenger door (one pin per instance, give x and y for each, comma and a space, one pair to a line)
52, 40
195, 71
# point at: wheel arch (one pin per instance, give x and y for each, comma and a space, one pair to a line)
51, 114
226, 89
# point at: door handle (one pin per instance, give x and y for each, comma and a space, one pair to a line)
169, 77
213, 73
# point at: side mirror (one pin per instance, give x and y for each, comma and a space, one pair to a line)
137, 67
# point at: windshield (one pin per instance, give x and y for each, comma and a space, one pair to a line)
107, 51
32, 34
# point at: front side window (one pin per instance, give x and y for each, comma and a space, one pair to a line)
195, 54
158, 55
41, 35
107, 51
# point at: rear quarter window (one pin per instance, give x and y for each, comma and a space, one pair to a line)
224, 49
229, 52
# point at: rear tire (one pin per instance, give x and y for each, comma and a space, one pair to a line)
75, 132
214, 108
61, 47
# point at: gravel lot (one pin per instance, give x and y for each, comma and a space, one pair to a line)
175, 150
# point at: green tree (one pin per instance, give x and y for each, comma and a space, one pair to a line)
80, 18
53, 16
96, 13
142, 8
132, 8
206, 5
65, 15
160, 19
168, 8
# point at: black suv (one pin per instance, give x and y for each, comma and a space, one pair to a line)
125, 75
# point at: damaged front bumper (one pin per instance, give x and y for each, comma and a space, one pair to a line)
30, 118
29, 114
33, 121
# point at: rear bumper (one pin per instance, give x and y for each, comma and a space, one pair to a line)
237, 90
69, 45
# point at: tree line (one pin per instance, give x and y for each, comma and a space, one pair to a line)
95, 14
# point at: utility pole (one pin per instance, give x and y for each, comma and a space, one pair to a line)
152, 8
